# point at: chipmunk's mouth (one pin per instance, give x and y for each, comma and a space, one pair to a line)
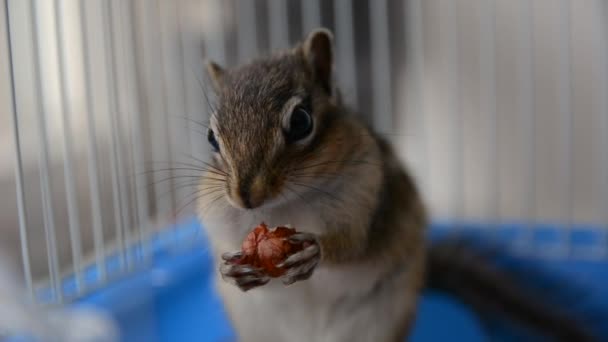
268, 202
258, 195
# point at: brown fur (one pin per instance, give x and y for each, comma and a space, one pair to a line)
372, 216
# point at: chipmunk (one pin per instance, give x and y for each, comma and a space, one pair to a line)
287, 150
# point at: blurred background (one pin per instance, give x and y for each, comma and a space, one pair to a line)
498, 107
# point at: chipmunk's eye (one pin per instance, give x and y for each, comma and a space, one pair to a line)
212, 140
300, 125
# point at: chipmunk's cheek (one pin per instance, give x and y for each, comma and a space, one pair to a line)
276, 193
273, 193
231, 196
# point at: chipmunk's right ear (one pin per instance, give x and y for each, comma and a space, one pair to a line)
216, 73
318, 51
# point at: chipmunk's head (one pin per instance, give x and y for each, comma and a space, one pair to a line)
269, 132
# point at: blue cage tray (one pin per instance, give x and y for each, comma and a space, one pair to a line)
173, 298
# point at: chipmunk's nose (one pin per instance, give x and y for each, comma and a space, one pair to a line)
250, 192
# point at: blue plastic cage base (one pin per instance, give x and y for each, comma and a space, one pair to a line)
174, 300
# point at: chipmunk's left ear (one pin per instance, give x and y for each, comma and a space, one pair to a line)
216, 73
319, 53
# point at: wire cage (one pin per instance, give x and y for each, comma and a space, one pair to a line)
498, 107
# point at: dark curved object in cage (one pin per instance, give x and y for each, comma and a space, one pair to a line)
515, 293
172, 298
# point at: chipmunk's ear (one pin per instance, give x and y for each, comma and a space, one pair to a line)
318, 51
216, 73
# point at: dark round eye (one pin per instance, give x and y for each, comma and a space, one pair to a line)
212, 140
300, 125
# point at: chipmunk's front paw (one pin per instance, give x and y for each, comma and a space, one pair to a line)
246, 277
301, 265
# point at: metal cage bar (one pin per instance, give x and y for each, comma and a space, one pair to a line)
565, 98
19, 178
148, 53
278, 27
450, 29
418, 99
140, 197
487, 73
93, 165
602, 112
527, 86
311, 15
247, 40
345, 50
45, 181
381, 72
116, 164
68, 145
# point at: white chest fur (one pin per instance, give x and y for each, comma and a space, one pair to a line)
305, 310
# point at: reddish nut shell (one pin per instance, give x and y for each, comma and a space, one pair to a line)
265, 248
250, 244
274, 249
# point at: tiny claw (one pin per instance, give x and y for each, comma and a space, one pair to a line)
307, 254
288, 281
232, 256
301, 265
231, 270
298, 273
302, 237
244, 277
253, 284
250, 279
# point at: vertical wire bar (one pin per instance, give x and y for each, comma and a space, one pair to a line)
123, 179
151, 84
184, 140
215, 44
311, 15
183, 76
528, 109
345, 49
151, 94
174, 139
247, 42
417, 46
118, 197
189, 130
68, 151
381, 69
135, 121
278, 25
193, 112
450, 31
602, 37
19, 181
188, 75
165, 106
215, 49
488, 102
98, 239
45, 181
565, 103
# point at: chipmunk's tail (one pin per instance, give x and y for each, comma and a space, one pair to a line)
499, 291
